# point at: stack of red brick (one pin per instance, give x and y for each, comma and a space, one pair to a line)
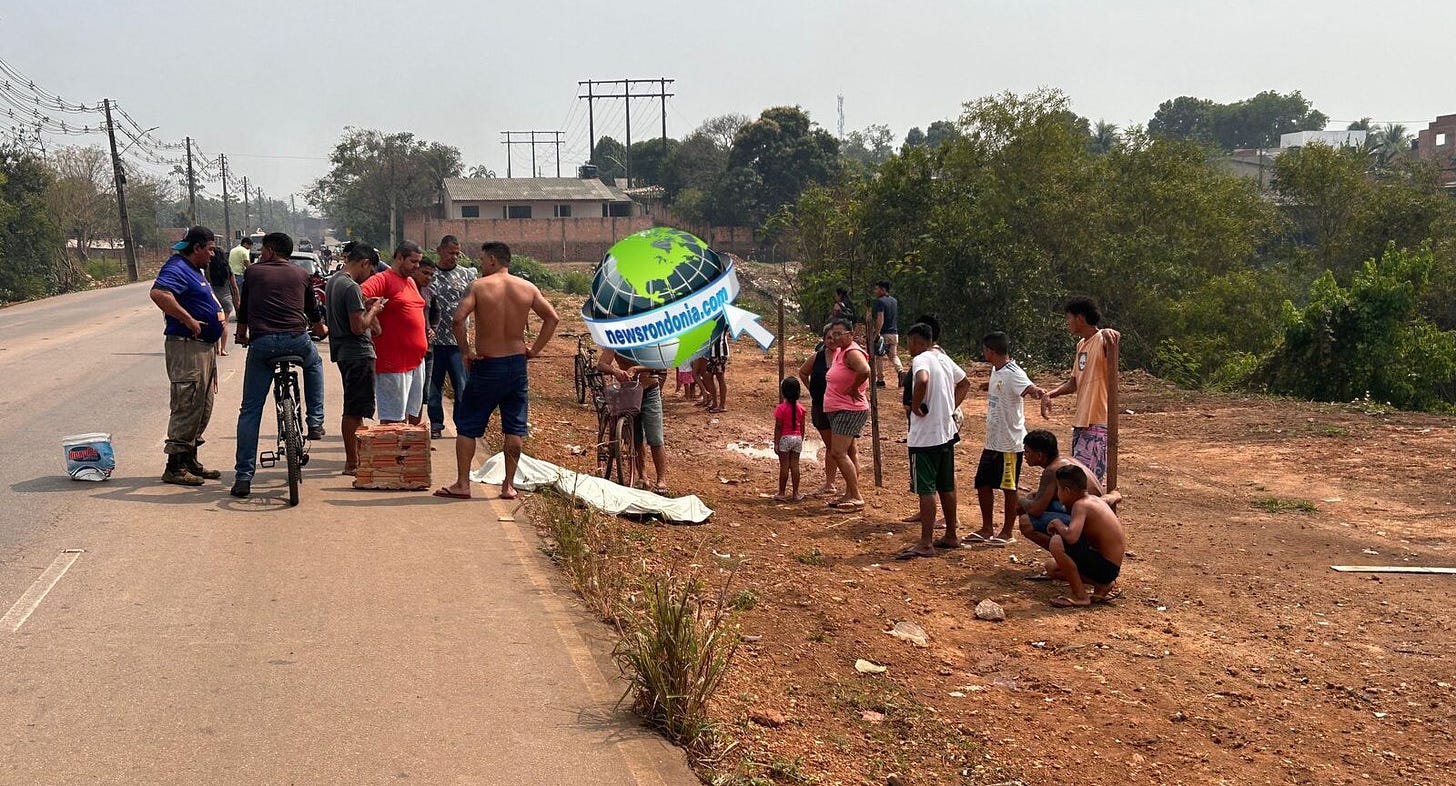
394, 456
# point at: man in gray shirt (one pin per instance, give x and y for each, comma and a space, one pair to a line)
352, 324
452, 281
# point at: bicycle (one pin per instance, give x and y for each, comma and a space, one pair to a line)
588, 376
291, 443
617, 412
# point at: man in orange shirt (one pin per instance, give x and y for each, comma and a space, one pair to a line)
399, 349
1096, 352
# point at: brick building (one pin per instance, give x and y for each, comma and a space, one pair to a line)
1437, 143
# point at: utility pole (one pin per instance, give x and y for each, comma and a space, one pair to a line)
191, 186
510, 141
120, 176
293, 215
227, 221
626, 94
591, 124
247, 226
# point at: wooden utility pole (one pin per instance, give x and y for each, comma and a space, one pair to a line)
120, 177
247, 225
227, 220
872, 336
191, 186
782, 376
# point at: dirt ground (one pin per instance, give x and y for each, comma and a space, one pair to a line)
1234, 654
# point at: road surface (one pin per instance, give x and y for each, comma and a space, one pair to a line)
188, 637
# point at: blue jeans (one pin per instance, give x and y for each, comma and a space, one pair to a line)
446, 361
258, 379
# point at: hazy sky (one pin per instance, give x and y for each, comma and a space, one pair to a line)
282, 79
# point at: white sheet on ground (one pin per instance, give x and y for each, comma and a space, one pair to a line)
599, 493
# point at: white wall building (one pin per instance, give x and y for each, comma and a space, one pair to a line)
1331, 138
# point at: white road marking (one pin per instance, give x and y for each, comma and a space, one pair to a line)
230, 374
28, 602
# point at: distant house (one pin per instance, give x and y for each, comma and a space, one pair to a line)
1331, 138
533, 198
1437, 143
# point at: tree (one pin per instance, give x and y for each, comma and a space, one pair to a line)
723, 129
651, 159
480, 170
781, 153
915, 137
610, 156
1255, 122
868, 148
30, 243
1104, 137
1184, 117
1388, 143
376, 177
82, 204
939, 132
696, 164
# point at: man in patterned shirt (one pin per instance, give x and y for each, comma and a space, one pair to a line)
452, 281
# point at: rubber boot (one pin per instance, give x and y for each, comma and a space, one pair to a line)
177, 474
191, 464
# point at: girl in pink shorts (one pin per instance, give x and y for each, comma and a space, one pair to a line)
789, 438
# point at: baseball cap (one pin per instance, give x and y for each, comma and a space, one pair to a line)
198, 234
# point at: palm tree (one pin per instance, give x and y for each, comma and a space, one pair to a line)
1389, 143
1104, 137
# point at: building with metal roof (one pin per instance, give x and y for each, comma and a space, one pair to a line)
533, 198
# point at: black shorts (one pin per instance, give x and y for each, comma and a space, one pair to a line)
358, 377
1091, 565
817, 416
998, 470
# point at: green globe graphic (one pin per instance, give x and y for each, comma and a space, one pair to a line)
648, 270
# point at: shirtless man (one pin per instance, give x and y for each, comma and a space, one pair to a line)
500, 303
648, 424
1089, 550
1041, 509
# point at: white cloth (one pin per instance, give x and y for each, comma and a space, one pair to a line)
600, 493
1005, 413
936, 427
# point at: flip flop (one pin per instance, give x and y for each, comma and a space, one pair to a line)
974, 537
446, 493
1000, 543
947, 544
857, 505
1043, 576
1064, 602
1108, 598
908, 554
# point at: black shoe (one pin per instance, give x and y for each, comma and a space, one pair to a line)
437, 433
879, 383
241, 488
315, 433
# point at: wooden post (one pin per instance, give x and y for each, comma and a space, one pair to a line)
782, 336
1113, 409
872, 336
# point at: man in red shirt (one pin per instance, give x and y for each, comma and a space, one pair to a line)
399, 364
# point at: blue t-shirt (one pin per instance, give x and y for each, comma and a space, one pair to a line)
194, 294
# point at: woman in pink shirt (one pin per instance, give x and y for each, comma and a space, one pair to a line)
847, 408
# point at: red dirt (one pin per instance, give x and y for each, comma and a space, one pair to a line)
1234, 654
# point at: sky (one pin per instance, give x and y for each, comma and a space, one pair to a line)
273, 83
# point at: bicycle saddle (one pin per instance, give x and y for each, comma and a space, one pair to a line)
293, 360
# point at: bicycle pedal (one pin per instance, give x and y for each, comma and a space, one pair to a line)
267, 459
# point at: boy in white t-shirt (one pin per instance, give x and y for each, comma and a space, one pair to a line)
938, 388
1000, 465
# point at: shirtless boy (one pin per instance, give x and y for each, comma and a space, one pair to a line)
500, 303
1089, 550
1043, 508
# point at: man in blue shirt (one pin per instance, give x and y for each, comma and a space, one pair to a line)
193, 324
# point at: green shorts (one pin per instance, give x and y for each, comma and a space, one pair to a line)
932, 470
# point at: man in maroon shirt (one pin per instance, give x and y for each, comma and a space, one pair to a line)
399, 349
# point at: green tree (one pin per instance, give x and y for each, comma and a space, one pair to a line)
869, 148
915, 137
784, 153
940, 132
1184, 117
610, 156
697, 164
1255, 122
30, 242
1104, 137
376, 177
1322, 187
651, 160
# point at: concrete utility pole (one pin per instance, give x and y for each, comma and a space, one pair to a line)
191, 186
510, 141
120, 176
227, 221
293, 215
247, 225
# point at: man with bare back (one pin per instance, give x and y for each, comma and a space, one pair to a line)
1038, 511
1089, 550
501, 304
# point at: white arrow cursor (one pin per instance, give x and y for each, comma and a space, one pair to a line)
740, 321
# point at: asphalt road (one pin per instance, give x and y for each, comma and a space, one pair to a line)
361, 637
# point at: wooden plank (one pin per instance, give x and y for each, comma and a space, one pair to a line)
1393, 569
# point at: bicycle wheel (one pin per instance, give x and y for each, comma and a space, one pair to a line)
580, 379
292, 445
626, 450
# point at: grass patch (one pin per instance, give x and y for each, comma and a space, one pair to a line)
591, 553
743, 600
102, 269
675, 649
1281, 505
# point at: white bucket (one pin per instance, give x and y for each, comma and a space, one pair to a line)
89, 456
